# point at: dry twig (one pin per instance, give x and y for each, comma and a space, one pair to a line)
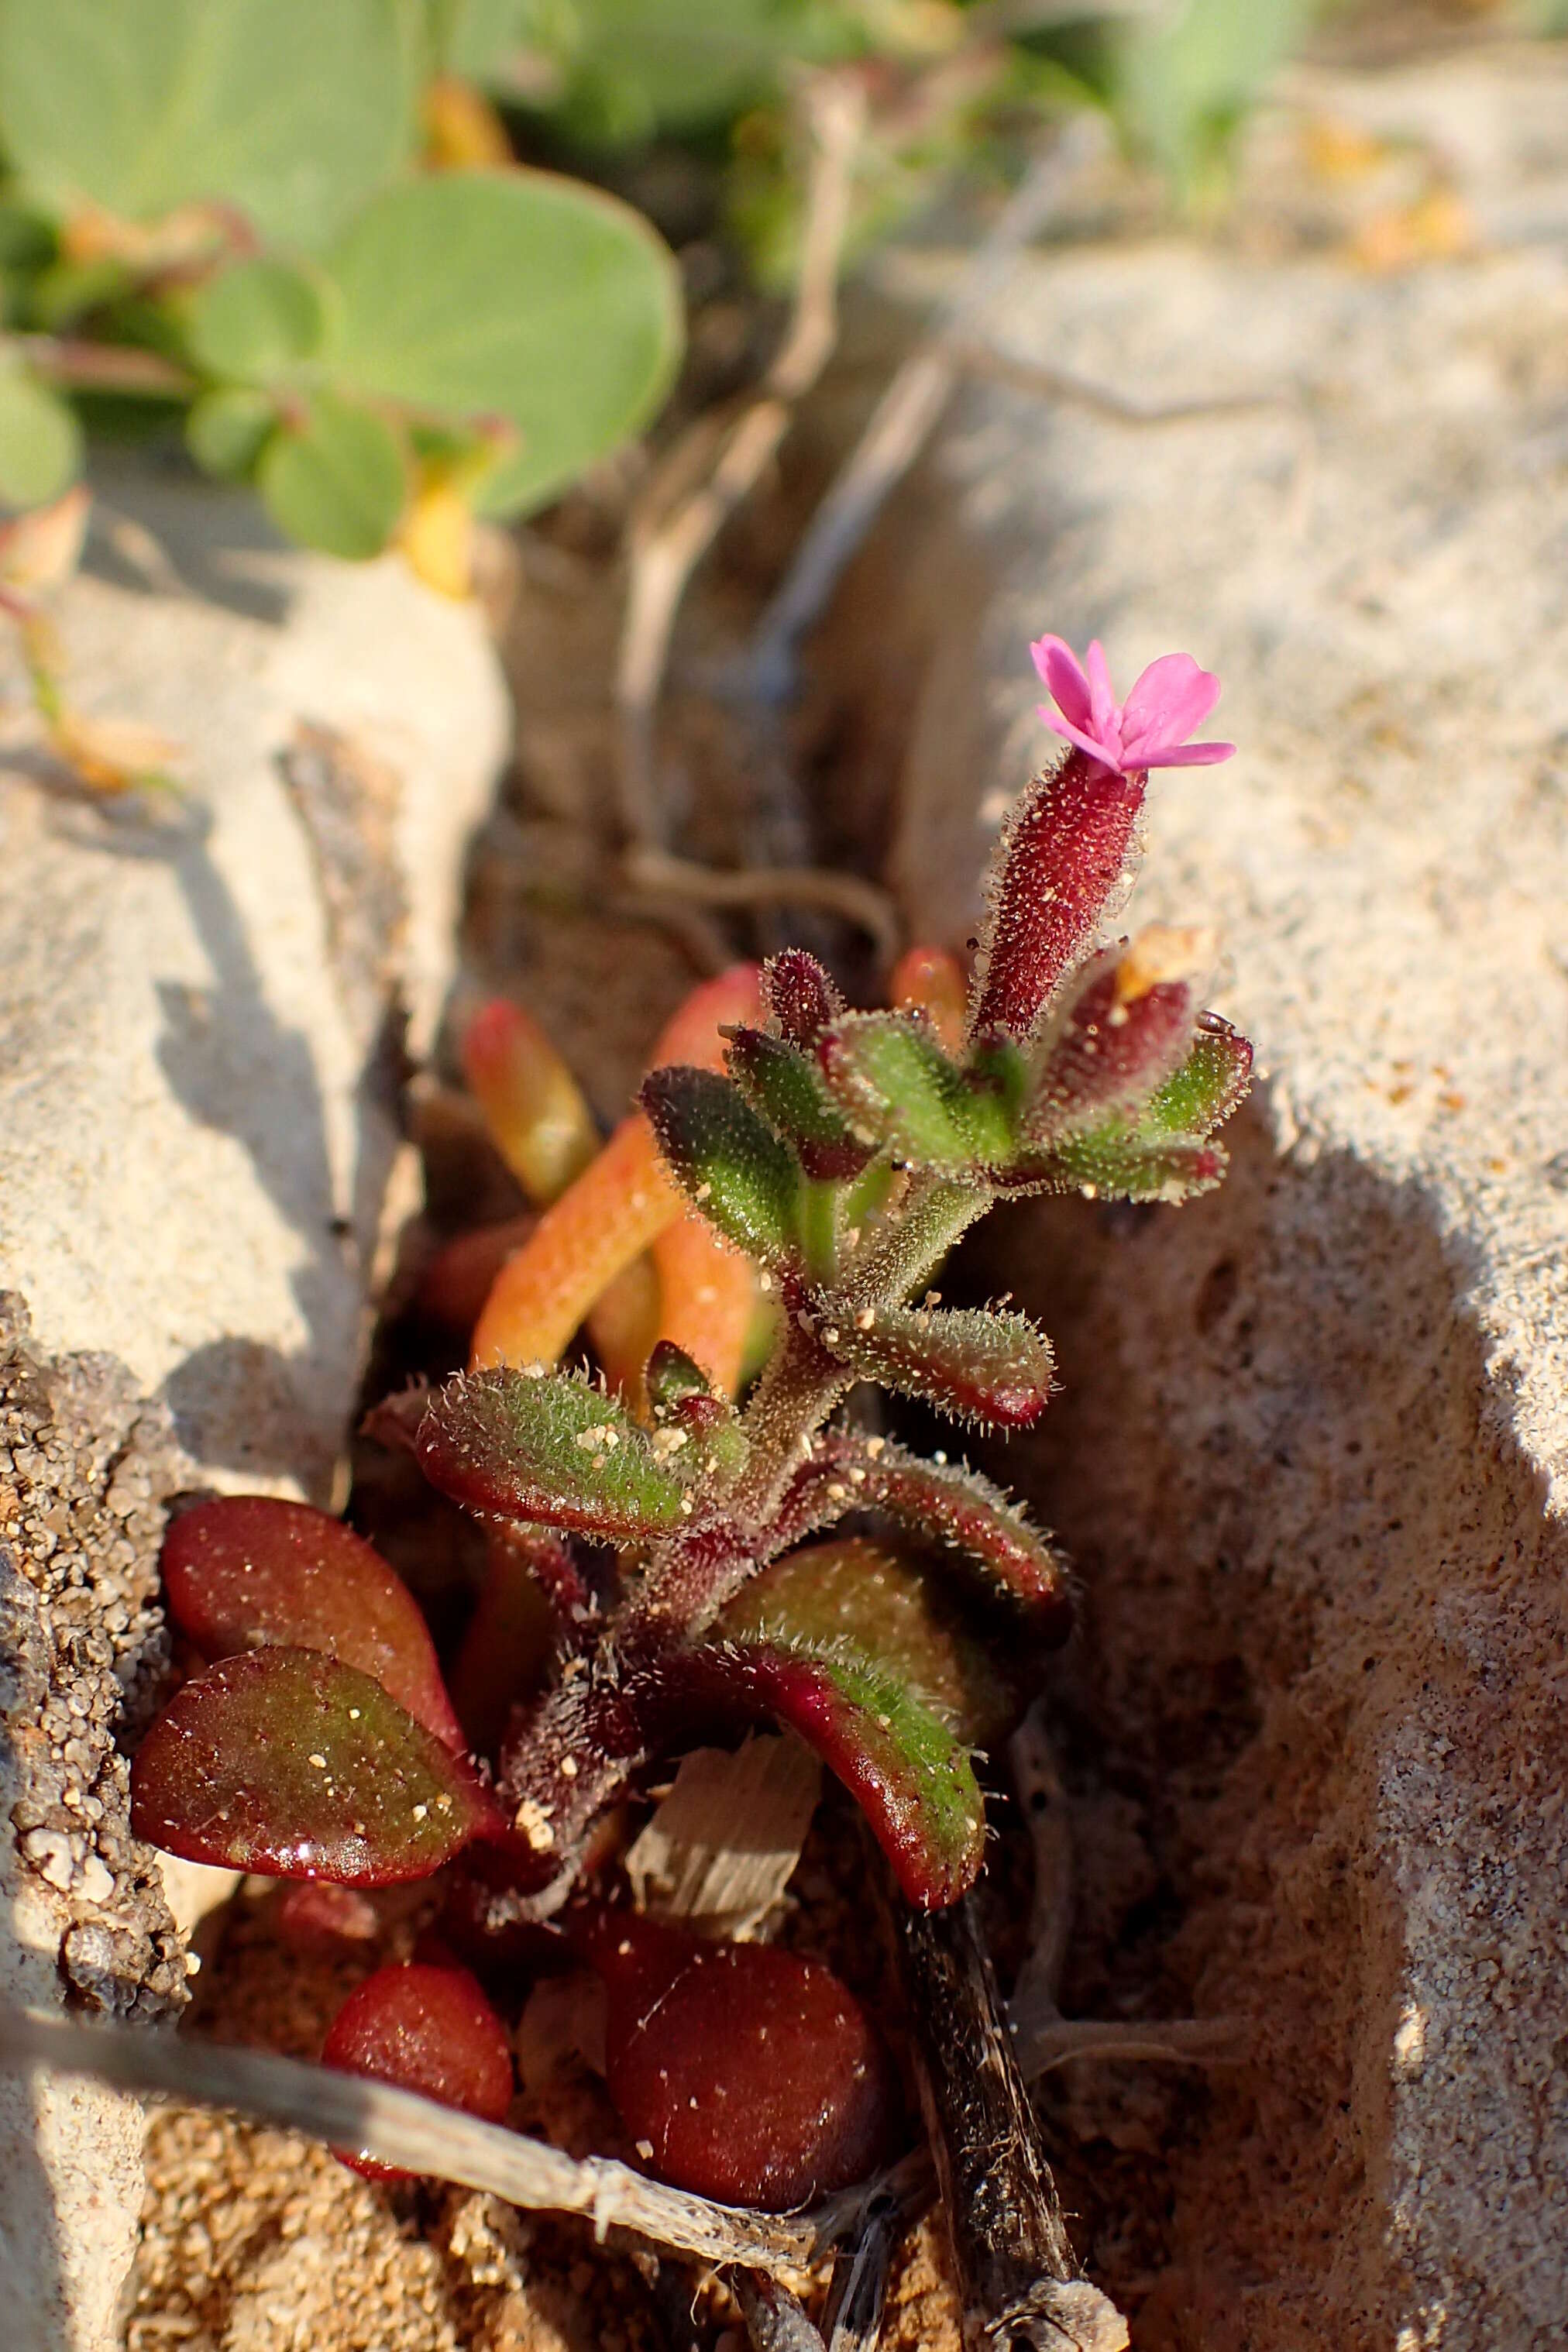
399, 2128
1020, 2283
666, 552
904, 418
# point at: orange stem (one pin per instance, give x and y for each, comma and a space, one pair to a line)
707, 1294
933, 981
614, 1210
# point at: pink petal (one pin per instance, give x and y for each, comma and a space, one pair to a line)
1063, 675
1105, 717
1108, 754
1180, 755
1171, 698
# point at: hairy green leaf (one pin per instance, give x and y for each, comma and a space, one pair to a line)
778, 1080
732, 1167
942, 1502
549, 1447
910, 1776
1207, 1088
852, 1595
899, 1089
977, 1364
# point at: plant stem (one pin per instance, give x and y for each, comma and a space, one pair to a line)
1021, 2286
82, 366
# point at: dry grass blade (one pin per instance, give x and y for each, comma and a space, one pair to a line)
903, 419
666, 552
398, 2128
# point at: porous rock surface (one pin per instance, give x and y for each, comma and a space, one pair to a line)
204, 998
86, 1468
208, 1003
1312, 1451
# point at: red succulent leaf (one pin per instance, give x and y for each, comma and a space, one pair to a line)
425, 2029
1060, 872
910, 1775
976, 1364
943, 1502
246, 1571
741, 2072
290, 1763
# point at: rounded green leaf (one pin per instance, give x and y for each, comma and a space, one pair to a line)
225, 429
255, 321
512, 296
40, 441
293, 111
335, 481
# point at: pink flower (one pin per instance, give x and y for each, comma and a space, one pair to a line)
1149, 730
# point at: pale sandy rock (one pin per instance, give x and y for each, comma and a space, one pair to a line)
1313, 1451
205, 1006
202, 1001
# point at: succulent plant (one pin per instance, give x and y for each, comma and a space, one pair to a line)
677, 1535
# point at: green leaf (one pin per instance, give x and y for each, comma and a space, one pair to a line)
779, 1081
899, 1089
1207, 1088
940, 1502
550, 1448
977, 1364
337, 480
732, 1168
515, 296
1115, 1162
293, 110
255, 321
226, 430
40, 441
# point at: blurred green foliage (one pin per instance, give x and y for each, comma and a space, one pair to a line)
232, 187
240, 192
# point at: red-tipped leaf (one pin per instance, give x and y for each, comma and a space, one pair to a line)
976, 1364
247, 1570
798, 996
1111, 1049
945, 1503
290, 1763
429, 2029
911, 1777
851, 1593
